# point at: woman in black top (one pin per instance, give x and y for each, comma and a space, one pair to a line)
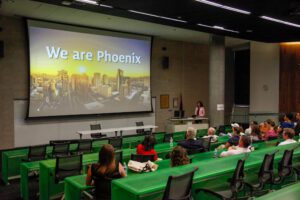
102, 173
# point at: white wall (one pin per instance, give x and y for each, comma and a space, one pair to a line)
264, 78
40, 132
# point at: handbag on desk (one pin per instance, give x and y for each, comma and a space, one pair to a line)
142, 167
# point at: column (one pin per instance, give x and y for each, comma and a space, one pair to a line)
216, 80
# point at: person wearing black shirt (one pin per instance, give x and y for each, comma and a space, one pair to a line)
191, 142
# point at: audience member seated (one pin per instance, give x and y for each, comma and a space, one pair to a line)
249, 130
243, 147
287, 123
255, 133
211, 134
102, 173
263, 127
234, 140
179, 156
297, 127
242, 132
191, 142
288, 135
271, 133
147, 147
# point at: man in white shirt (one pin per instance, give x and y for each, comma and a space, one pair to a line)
243, 147
211, 133
288, 135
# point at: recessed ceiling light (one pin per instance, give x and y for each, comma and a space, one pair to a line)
106, 6
157, 16
280, 21
66, 3
218, 28
93, 2
224, 7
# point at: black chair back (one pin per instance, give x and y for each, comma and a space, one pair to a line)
142, 158
285, 165
61, 149
85, 146
96, 127
116, 142
36, 153
167, 137
118, 159
206, 143
237, 180
179, 187
67, 166
102, 188
222, 129
194, 151
139, 131
102, 183
266, 173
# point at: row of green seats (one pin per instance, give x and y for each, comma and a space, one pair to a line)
135, 187
11, 159
162, 150
74, 186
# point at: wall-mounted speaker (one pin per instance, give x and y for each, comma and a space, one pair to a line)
165, 62
1, 49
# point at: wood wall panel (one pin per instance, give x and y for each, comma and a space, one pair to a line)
289, 89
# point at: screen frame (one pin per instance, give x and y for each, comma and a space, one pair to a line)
30, 118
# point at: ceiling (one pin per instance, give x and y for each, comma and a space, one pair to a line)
245, 26
65, 14
250, 27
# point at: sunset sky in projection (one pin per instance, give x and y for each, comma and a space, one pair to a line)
74, 41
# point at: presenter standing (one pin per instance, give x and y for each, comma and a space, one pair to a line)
200, 110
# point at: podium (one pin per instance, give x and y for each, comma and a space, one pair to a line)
181, 124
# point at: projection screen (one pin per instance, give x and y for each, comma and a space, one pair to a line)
82, 71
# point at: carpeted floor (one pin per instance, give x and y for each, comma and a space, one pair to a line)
12, 191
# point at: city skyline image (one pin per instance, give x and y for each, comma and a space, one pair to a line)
109, 74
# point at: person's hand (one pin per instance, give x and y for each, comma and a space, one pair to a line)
121, 170
232, 148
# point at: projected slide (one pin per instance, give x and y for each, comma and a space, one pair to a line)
86, 71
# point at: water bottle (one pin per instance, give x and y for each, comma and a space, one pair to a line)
125, 168
171, 142
216, 153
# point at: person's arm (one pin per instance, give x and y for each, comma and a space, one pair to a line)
227, 153
89, 176
227, 145
265, 136
280, 144
155, 154
122, 171
202, 112
138, 149
196, 109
